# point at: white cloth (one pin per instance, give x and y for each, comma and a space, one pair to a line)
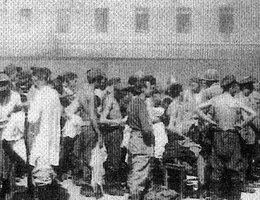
7, 109
14, 131
98, 157
126, 136
15, 127
72, 126
20, 149
45, 109
161, 139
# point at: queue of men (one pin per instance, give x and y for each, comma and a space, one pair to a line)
103, 136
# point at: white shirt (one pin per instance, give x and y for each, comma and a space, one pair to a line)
45, 110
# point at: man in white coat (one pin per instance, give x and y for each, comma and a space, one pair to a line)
44, 113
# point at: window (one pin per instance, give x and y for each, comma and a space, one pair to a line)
226, 20
25, 12
101, 20
183, 20
141, 20
63, 21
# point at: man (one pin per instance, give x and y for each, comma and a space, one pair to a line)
141, 139
191, 95
69, 84
12, 71
9, 102
44, 115
110, 120
227, 160
249, 97
90, 134
211, 78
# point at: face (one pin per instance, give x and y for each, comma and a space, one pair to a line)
110, 89
156, 98
234, 89
194, 87
101, 84
73, 83
37, 82
148, 90
246, 91
181, 96
203, 84
5, 85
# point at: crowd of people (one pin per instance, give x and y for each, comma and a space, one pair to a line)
115, 139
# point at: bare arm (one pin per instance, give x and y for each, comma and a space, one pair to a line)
144, 119
105, 113
93, 115
251, 114
200, 112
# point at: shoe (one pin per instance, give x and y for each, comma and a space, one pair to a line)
247, 189
87, 191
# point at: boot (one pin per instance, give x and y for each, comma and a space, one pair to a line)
215, 190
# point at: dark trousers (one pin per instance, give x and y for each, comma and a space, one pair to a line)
66, 155
112, 140
83, 145
228, 164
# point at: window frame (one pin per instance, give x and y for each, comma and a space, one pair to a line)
226, 21
63, 26
183, 27
139, 13
101, 19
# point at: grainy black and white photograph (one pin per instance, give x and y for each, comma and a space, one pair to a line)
130, 99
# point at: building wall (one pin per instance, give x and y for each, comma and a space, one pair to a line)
36, 34
162, 69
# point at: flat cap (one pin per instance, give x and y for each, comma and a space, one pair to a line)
4, 82
247, 80
42, 73
211, 75
227, 80
194, 80
11, 69
133, 80
114, 81
4, 77
94, 73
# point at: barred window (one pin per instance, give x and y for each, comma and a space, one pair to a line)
141, 19
101, 20
226, 20
25, 12
183, 20
63, 21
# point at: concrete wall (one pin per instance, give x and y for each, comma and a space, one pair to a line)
36, 35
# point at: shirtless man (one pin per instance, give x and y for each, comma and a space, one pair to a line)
84, 104
250, 133
227, 159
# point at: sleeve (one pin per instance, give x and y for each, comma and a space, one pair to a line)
245, 108
18, 101
144, 117
146, 127
35, 110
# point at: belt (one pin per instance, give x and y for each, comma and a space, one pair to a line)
85, 123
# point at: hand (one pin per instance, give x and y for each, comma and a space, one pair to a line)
123, 121
238, 126
100, 142
216, 127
